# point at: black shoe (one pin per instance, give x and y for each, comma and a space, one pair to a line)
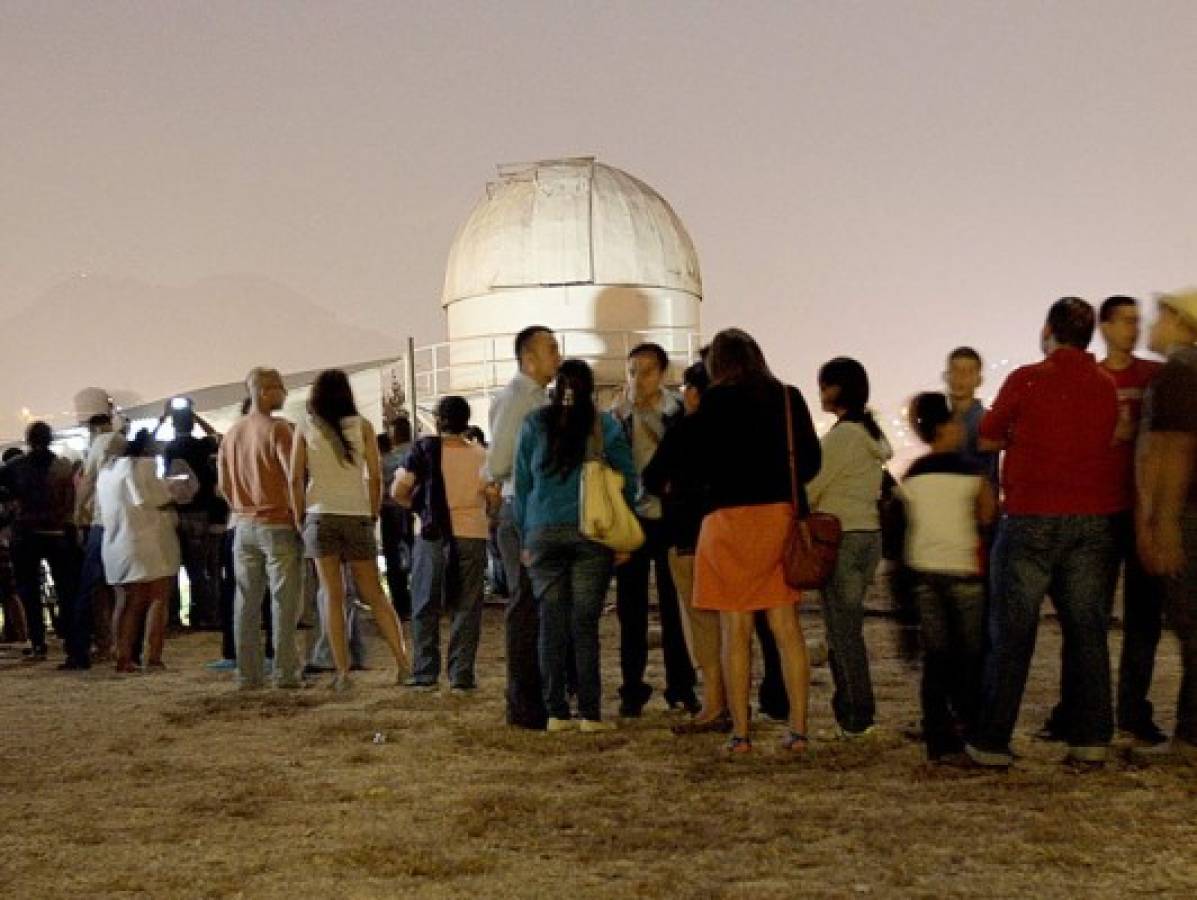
683, 701
73, 665
1146, 733
721, 723
631, 704
526, 724
35, 654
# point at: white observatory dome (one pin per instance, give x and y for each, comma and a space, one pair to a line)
567, 222
581, 247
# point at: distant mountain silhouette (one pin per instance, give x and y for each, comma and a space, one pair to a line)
144, 341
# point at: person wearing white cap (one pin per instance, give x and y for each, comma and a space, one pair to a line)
1167, 514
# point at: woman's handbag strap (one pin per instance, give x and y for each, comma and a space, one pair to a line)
797, 494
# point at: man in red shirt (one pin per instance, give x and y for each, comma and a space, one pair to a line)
1141, 596
1142, 617
1055, 420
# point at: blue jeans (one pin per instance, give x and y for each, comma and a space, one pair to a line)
449, 577
91, 580
264, 553
952, 628
570, 575
1073, 558
843, 617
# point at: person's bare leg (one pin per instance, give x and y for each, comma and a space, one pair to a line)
714, 691
795, 664
329, 570
158, 597
365, 576
737, 666
130, 601
102, 607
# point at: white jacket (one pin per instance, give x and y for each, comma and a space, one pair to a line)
849, 483
140, 540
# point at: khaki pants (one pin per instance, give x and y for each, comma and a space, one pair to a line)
701, 626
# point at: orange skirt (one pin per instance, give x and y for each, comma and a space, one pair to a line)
738, 564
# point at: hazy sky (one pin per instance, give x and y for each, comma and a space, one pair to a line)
882, 179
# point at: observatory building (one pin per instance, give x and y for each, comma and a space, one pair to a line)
581, 247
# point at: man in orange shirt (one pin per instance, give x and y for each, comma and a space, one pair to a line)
253, 465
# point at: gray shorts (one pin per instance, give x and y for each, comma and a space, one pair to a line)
348, 538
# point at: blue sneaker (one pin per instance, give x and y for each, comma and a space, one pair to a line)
221, 665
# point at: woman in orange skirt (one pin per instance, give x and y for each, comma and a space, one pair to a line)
738, 567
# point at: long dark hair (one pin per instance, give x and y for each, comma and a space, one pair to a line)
736, 358
853, 381
569, 418
330, 401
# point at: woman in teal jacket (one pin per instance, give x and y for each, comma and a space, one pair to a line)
569, 573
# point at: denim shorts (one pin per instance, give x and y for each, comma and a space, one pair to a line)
348, 538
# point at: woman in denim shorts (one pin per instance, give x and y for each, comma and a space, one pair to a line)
336, 485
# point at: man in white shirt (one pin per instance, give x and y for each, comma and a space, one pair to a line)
539, 357
93, 611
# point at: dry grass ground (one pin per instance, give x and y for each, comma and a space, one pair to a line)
175, 785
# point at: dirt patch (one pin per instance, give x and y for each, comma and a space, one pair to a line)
177, 785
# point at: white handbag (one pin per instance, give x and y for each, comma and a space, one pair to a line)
605, 515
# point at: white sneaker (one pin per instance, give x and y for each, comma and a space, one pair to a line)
555, 726
595, 726
843, 734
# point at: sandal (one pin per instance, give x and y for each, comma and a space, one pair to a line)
795, 741
736, 745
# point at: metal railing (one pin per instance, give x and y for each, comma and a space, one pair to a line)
480, 366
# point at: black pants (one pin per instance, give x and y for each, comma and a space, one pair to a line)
525, 701
1142, 622
397, 551
61, 553
771, 697
631, 585
91, 582
200, 550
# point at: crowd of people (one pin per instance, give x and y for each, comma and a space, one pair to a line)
275, 521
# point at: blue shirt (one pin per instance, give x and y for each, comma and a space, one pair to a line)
543, 498
986, 463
